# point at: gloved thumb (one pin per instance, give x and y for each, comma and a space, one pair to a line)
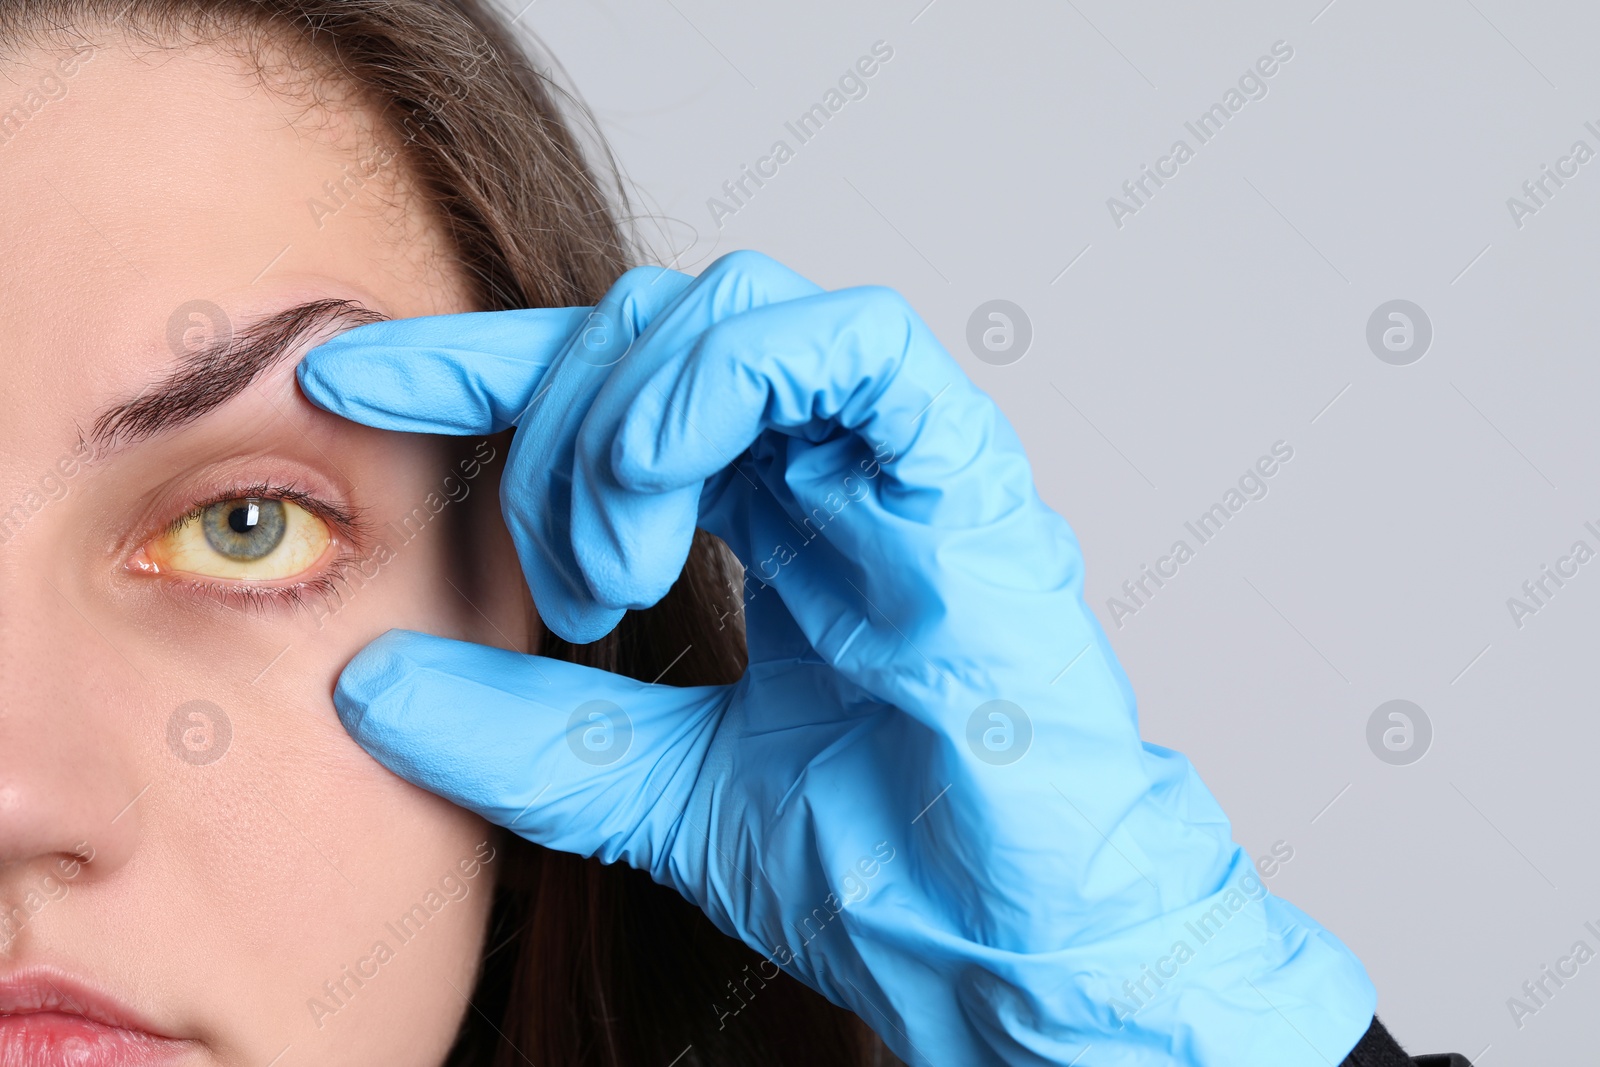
571, 757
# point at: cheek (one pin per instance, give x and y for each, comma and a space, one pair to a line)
309, 891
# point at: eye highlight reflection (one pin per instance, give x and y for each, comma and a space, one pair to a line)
243, 539
245, 530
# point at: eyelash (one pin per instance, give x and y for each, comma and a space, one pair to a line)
349, 530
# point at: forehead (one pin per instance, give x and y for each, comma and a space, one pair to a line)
138, 182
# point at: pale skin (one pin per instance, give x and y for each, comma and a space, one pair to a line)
221, 897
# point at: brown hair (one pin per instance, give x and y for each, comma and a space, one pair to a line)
584, 963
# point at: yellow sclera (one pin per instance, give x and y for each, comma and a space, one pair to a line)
189, 549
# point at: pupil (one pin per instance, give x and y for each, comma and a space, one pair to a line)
243, 520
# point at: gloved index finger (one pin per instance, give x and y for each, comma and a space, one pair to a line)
469, 373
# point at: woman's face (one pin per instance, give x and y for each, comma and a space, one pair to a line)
189, 842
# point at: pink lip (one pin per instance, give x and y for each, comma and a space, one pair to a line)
48, 1019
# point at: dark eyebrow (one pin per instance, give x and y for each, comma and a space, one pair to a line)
215, 372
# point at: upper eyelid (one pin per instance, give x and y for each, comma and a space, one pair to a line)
207, 480
349, 521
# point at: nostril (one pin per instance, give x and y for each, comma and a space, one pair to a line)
60, 813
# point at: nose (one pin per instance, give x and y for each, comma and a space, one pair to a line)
70, 785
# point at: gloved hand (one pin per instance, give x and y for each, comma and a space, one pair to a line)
927, 797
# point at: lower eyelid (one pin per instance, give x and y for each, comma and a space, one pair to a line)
326, 586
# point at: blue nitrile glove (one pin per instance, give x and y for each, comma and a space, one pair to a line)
927, 797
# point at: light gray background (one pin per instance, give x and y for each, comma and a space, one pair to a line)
1230, 313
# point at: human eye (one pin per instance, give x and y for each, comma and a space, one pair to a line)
250, 544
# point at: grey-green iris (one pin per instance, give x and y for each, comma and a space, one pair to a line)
245, 529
